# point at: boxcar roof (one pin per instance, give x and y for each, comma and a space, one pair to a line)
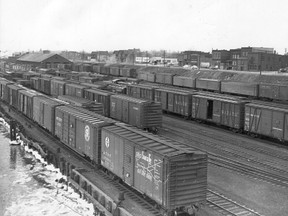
83, 116
88, 112
76, 85
269, 105
98, 91
13, 86
136, 100
160, 145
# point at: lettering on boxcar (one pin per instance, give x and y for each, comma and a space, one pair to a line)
148, 168
107, 142
87, 133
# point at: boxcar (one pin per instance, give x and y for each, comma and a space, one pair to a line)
208, 84
45, 85
99, 96
187, 82
57, 87
128, 72
240, 88
44, 112
105, 70
82, 102
173, 177
75, 90
267, 119
4, 94
137, 112
115, 70
141, 91
35, 83
80, 131
164, 78
273, 91
13, 93
25, 102
87, 79
223, 110
174, 100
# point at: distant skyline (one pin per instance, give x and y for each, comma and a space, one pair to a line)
92, 25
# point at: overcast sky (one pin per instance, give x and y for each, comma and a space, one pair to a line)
172, 25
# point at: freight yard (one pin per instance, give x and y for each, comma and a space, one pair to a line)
156, 141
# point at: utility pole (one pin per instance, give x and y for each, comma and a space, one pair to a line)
133, 56
146, 58
164, 59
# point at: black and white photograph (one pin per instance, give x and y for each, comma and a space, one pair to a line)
143, 108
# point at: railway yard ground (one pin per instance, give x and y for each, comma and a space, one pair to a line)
260, 195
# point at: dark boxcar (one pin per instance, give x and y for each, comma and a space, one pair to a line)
4, 93
44, 112
140, 113
13, 95
105, 70
273, 91
141, 91
155, 166
208, 84
99, 96
164, 78
75, 90
175, 100
25, 102
128, 72
182, 81
57, 87
35, 83
45, 85
240, 88
29, 75
80, 131
224, 110
114, 70
82, 102
267, 118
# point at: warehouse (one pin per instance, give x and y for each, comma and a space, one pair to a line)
42, 60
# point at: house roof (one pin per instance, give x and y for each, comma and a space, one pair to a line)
36, 57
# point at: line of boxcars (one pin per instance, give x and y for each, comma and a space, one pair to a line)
268, 119
271, 91
222, 109
144, 114
173, 176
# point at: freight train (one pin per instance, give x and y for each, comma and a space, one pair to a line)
255, 117
231, 111
144, 114
258, 89
173, 176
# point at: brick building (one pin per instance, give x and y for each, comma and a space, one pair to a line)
221, 59
198, 58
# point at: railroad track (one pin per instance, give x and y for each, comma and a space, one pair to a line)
236, 163
133, 194
237, 140
227, 206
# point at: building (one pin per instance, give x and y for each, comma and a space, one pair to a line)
100, 56
126, 56
221, 59
41, 60
198, 58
